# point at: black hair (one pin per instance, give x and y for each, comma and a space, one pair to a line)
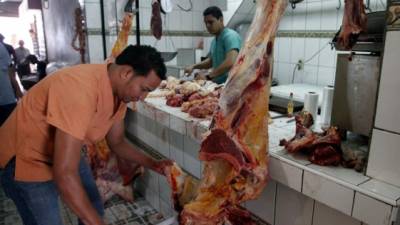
214, 11
32, 59
142, 59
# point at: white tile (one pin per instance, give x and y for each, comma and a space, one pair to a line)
285, 50
311, 49
387, 106
198, 24
187, 21
176, 147
93, 19
285, 73
382, 191
298, 158
329, 16
371, 211
145, 18
310, 75
328, 192
162, 138
327, 55
286, 21
383, 157
299, 19
162, 117
164, 190
324, 215
177, 124
166, 209
95, 46
191, 164
286, 174
292, 207
313, 18
174, 19
191, 146
297, 50
326, 76
337, 172
264, 205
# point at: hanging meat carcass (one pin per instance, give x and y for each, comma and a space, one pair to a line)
354, 21
235, 153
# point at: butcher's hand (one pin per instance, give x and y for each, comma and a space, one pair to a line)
188, 70
201, 75
161, 166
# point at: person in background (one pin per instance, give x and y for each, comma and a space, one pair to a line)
21, 53
10, 50
41, 142
224, 48
9, 88
40, 66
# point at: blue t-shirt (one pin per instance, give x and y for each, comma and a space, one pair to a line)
226, 41
7, 95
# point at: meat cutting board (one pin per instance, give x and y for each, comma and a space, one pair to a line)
279, 104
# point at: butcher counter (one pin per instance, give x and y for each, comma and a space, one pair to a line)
298, 192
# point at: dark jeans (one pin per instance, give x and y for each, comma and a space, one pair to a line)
5, 111
37, 202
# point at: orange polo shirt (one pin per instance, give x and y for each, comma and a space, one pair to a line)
77, 100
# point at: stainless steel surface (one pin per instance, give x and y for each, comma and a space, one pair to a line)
355, 93
175, 71
370, 40
186, 56
168, 56
59, 25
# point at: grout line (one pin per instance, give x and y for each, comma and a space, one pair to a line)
312, 215
352, 207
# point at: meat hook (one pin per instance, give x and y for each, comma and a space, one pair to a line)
340, 5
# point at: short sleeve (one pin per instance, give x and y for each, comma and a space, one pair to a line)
71, 105
232, 41
120, 115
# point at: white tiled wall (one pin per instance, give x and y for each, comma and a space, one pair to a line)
177, 20
311, 15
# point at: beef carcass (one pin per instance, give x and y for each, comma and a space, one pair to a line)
235, 153
354, 21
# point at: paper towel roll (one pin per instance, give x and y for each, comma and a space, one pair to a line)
326, 107
311, 104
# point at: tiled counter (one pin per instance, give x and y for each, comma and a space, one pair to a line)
299, 193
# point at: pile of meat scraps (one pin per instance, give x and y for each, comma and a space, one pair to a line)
198, 98
322, 148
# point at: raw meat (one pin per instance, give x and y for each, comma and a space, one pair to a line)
323, 149
156, 22
354, 21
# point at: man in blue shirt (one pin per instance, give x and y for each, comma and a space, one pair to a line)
9, 89
224, 48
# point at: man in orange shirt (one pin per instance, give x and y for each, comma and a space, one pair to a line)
40, 143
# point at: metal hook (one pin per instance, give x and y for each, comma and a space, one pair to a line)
367, 6
293, 5
340, 5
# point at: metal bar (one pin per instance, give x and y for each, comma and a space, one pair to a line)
137, 23
103, 29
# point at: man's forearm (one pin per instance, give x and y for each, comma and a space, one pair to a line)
128, 152
206, 64
75, 197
